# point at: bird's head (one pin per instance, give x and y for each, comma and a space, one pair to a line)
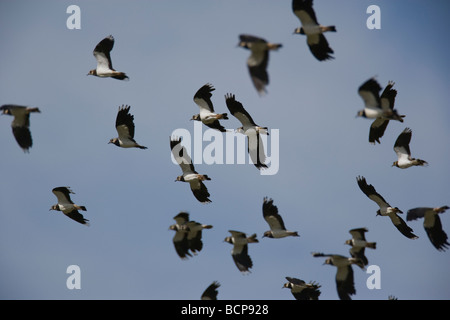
299, 30
349, 242
243, 44
179, 178
196, 117
395, 164
54, 207
114, 141
92, 72
328, 261
268, 234
228, 239
361, 113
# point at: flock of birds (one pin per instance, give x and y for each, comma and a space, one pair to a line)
188, 234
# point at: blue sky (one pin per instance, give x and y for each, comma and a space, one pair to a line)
169, 49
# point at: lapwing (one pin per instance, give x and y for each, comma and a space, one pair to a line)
104, 65
180, 240
359, 243
432, 224
189, 175
401, 148
211, 292
385, 208
344, 275
302, 290
255, 146
317, 43
258, 60
240, 242
275, 221
67, 206
379, 108
125, 129
207, 115
20, 124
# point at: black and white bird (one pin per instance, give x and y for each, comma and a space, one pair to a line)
432, 224
207, 115
401, 148
104, 65
379, 108
20, 124
385, 208
211, 292
240, 242
255, 145
67, 206
345, 283
189, 175
302, 290
359, 243
317, 43
258, 60
188, 235
125, 129
275, 222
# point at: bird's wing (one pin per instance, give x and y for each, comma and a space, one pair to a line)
181, 156
102, 53
271, 215
369, 92
371, 193
237, 109
125, 123
63, 195
401, 146
203, 97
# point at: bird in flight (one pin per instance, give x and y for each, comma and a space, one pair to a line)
258, 60
207, 115
385, 209
125, 129
189, 175
67, 206
401, 148
275, 221
317, 43
20, 124
102, 53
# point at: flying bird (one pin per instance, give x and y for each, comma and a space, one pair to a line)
401, 148
188, 235
240, 242
359, 243
379, 108
211, 292
302, 290
189, 175
104, 65
345, 283
125, 129
207, 115
258, 60
432, 224
317, 43
275, 222
20, 124
385, 208
67, 206
255, 146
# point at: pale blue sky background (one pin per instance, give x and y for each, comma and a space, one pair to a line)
170, 49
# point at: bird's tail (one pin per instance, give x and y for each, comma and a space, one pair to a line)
329, 28
223, 116
83, 208
372, 245
252, 239
420, 162
207, 226
274, 46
